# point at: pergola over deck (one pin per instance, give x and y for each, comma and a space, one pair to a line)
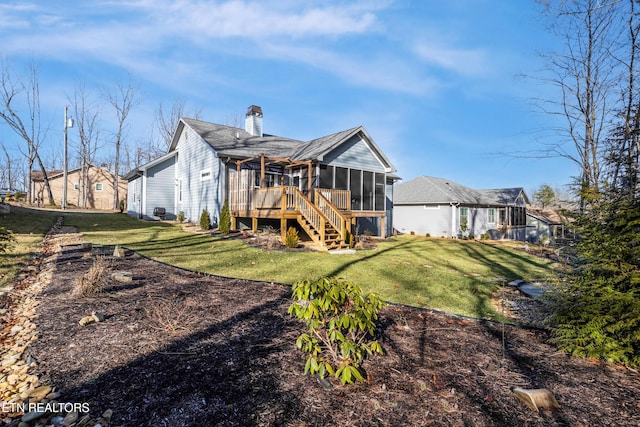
324, 214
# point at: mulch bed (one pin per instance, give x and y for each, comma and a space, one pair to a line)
179, 348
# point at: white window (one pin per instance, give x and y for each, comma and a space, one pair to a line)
205, 174
464, 218
98, 186
491, 215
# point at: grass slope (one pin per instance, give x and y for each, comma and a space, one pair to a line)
450, 275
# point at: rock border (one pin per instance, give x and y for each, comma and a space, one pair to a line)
24, 400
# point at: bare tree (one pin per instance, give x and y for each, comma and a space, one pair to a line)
7, 173
13, 91
165, 122
87, 120
123, 99
624, 144
585, 73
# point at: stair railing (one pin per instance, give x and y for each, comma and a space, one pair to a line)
311, 213
333, 214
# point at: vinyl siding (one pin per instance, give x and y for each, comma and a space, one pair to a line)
354, 154
433, 220
160, 191
196, 156
134, 197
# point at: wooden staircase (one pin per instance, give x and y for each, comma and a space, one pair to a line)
332, 240
322, 222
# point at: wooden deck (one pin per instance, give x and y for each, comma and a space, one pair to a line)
327, 219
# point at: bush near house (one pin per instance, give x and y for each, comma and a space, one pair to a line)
291, 239
205, 220
225, 219
6, 239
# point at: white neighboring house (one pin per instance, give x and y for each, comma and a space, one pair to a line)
442, 208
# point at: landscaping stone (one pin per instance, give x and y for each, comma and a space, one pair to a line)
31, 416
533, 289
122, 276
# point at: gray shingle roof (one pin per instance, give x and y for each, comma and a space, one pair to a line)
238, 143
431, 190
320, 146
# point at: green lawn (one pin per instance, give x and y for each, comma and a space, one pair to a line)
450, 275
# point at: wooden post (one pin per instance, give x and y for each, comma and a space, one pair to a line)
382, 227
254, 224
262, 171
234, 223
310, 170
283, 229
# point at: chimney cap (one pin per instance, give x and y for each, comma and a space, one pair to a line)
254, 110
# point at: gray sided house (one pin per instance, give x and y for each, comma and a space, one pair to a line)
443, 208
548, 225
328, 187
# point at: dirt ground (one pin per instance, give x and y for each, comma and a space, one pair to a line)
179, 348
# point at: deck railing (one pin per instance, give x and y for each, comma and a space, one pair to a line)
267, 198
341, 199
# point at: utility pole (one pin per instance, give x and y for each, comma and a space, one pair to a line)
68, 123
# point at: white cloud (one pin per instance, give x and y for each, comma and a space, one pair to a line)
381, 72
260, 19
465, 62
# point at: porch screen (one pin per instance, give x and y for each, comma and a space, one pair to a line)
342, 176
380, 196
367, 191
356, 189
326, 176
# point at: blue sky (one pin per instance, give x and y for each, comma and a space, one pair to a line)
436, 84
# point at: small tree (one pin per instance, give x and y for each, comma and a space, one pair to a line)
291, 239
545, 195
341, 327
6, 239
225, 219
205, 220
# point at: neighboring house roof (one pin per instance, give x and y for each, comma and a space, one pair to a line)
503, 196
37, 176
431, 190
547, 215
239, 144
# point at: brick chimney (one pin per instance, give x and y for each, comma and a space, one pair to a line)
253, 120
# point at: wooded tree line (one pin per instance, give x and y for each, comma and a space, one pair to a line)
91, 142
596, 72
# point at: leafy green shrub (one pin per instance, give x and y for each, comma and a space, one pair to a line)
341, 327
412, 233
121, 205
291, 239
6, 239
600, 322
180, 216
224, 226
428, 235
205, 220
485, 236
471, 236
597, 314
